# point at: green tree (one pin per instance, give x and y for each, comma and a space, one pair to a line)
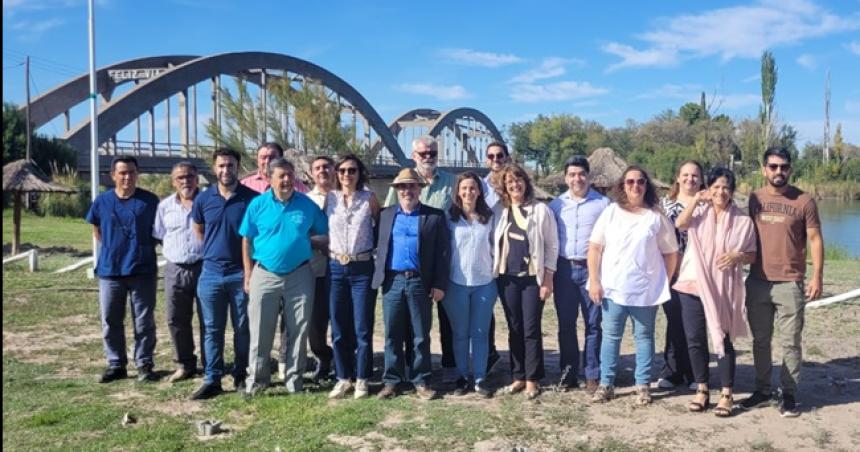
48, 153
767, 114
692, 113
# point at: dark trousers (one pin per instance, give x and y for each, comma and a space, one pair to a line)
523, 310
406, 305
676, 359
352, 303
571, 297
180, 294
317, 327
115, 293
696, 331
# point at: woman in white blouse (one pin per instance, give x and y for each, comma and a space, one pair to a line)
352, 211
525, 255
472, 291
632, 252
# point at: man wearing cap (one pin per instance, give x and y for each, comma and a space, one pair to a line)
437, 192
279, 229
258, 181
412, 266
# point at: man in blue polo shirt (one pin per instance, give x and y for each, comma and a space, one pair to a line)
576, 211
279, 230
122, 221
217, 214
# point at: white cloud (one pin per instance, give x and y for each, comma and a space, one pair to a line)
441, 92
732, 32
687, 91
752, 78
553, 92
549, 68
808, 61
475, 58
630, 57
33, 30
854, 47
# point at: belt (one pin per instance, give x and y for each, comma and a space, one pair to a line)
187, 264
347, 258
408, 274
579, 262
305, 262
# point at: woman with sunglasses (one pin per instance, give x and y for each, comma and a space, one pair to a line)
472, 290
632, 251
352, 212
525, 255
676, 361
721, 239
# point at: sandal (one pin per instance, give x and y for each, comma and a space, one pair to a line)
697, 405
725, 406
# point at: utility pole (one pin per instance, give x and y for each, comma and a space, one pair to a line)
826, 153
27, 84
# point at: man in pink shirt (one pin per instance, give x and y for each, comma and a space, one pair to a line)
258, 181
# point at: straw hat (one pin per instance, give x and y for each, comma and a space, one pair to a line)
408, 176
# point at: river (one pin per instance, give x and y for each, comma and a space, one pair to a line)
841, 224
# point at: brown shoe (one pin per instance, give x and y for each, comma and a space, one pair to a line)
424, 392
387, 392
591, 386
180, 374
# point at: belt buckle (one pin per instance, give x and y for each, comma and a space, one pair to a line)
343, 259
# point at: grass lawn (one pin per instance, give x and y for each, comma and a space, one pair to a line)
52, 356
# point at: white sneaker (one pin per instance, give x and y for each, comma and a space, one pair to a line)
340, 389
665, 384
361, 390
282, 371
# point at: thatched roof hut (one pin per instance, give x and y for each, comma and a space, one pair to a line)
24, 176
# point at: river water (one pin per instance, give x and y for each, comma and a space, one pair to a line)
840, 224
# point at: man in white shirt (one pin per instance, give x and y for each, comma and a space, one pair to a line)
184, 253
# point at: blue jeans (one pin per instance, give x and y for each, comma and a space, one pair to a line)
614, 319
113, 295
219, 293
570, 297
351, 305
469, 310
406, 303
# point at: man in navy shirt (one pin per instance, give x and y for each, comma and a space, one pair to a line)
217, 214
122, 221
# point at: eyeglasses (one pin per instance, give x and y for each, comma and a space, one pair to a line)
779, 166
631, 182
351, 171
405, 186
428, 154
495, 156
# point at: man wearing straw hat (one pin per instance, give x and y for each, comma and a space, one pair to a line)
412, 269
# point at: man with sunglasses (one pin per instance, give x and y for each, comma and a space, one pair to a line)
435, 193
786, 221
122, 221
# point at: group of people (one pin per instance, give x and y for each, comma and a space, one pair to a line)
267, 250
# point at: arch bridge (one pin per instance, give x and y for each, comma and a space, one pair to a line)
135, 93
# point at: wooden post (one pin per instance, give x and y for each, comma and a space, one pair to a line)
16, 222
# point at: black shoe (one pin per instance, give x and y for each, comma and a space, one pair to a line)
461, 387
387, 392
322, 372
146, 375
239, 382
207, 391
788, 407
756, 400
113, 373
482, 390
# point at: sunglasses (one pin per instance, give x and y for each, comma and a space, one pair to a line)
428, 154
350, 171
779, 166
495, 156
631, 182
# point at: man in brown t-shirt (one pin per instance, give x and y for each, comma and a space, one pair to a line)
786, 219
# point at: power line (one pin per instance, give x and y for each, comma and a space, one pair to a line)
46, 63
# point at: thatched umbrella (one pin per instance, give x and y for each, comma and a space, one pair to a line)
23, 176
606, 168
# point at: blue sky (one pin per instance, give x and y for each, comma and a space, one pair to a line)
607, 61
